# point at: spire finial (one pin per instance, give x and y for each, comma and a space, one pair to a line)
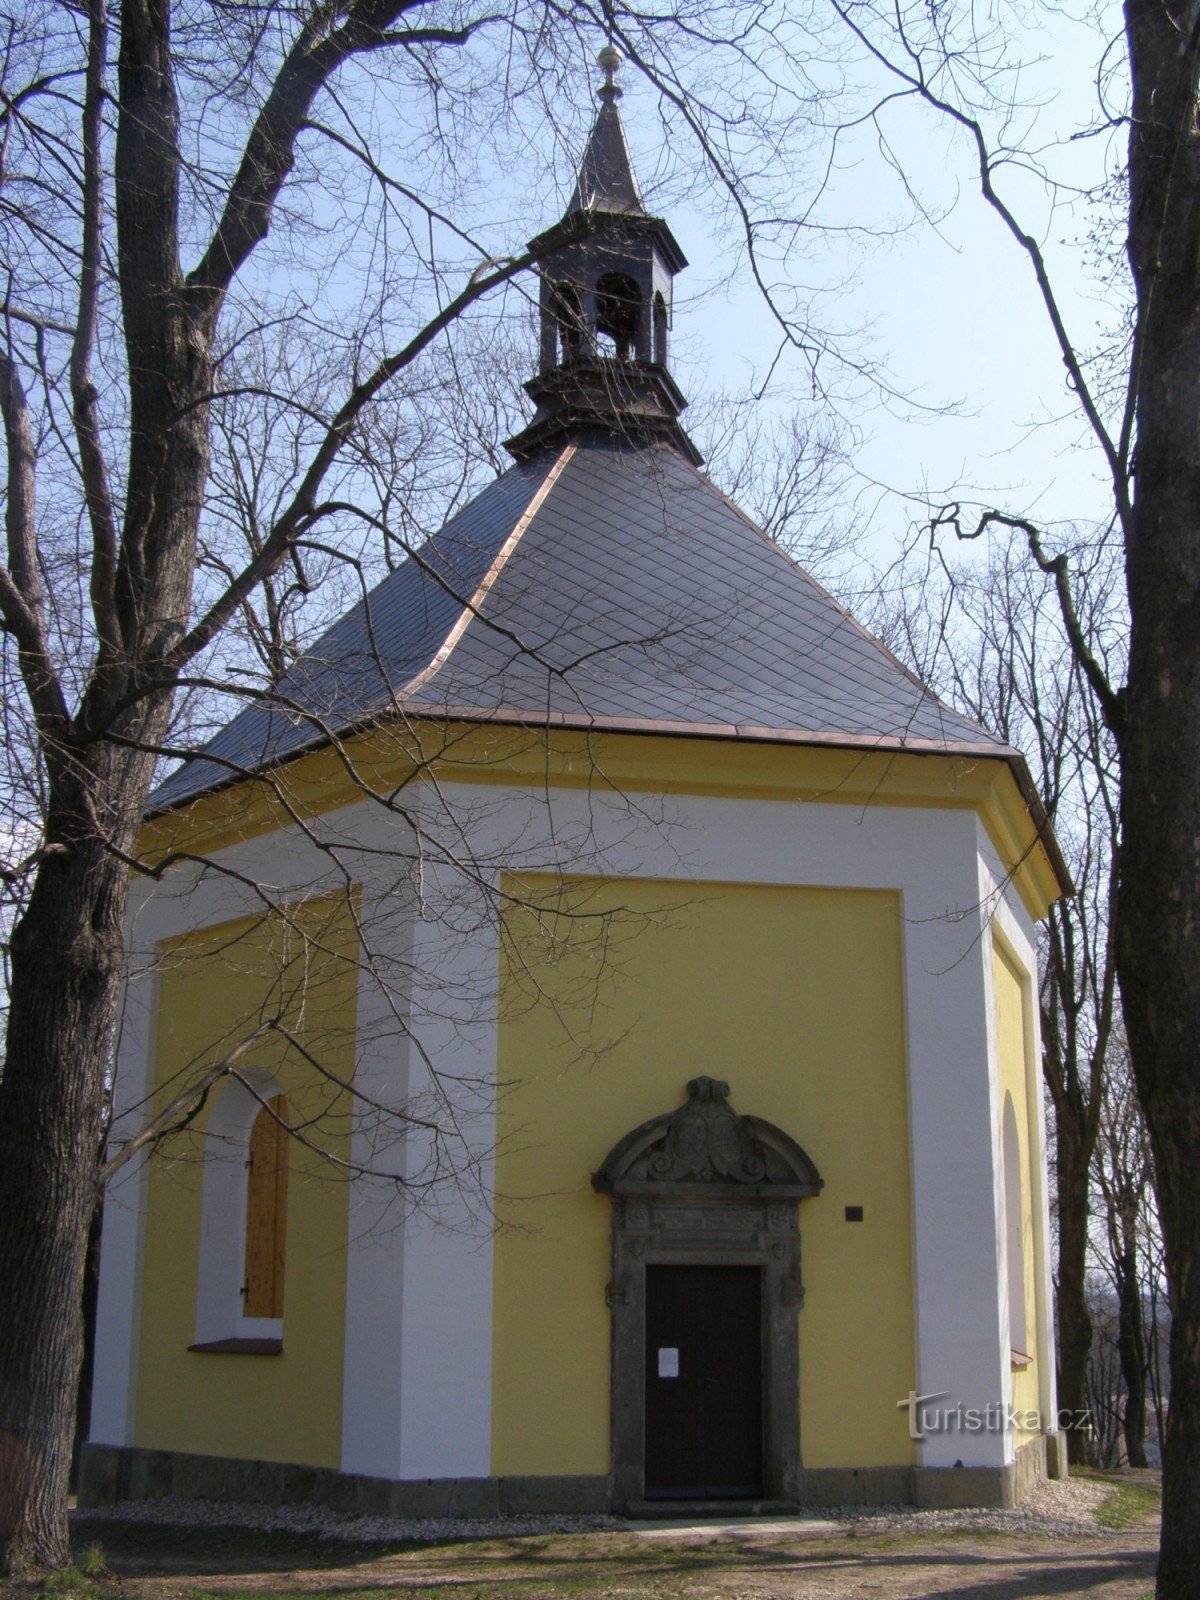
609, 61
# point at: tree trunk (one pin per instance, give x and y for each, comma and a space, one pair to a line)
67, 949
1074, 1318
1159, 964
1158, 916
1158, 908
1179, 1563
1158, 919
66, 974
1131, 1348
91, 1298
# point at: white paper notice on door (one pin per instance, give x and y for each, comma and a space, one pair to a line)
668, 1361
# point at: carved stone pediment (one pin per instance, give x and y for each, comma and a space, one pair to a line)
705, 1142
703, 1186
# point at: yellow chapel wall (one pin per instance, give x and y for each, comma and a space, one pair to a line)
1012, 1000
217, 985
795, 996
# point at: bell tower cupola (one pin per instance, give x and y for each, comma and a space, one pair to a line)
605, 272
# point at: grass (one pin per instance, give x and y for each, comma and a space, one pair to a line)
88, 1579
1127, 1503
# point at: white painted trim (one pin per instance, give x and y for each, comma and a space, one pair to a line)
1016, 934
952, 1154
446, 1331
374, 1361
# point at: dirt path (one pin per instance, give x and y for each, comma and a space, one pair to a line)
739, 1564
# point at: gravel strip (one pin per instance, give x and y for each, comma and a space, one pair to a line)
1054, 1510
320, 1522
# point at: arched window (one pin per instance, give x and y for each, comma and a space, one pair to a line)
660, 330
1014, 1232
618, 315
569, 317
243, 1227
266, 1211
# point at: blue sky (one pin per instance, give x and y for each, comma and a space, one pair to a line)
948, 307
952, 310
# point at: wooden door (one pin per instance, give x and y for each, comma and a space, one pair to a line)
266, 1211
703, 1383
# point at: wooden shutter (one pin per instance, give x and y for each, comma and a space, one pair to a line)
266, 1211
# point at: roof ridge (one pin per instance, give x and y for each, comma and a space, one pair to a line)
499, 560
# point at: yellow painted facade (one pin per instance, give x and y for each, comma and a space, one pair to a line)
218, 987
617, 993
1013, 1000
614, 993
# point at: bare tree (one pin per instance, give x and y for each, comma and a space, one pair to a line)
989, 634
1124, 1179
1141, 409
175, 184
1126, 1392
789, 466
413, 461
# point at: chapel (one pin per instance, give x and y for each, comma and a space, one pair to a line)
591, 1007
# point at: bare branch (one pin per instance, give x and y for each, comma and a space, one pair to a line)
1115, 453
304, 506
97, 491
20, 584
180, 1110
271, 148
1057, 567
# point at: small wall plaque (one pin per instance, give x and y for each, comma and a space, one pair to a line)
668, 1361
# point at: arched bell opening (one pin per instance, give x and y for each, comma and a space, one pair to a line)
619, 313
569, 324
660, 330
705, 1291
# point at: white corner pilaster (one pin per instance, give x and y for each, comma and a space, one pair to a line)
1017, 932
952, 1069
446, 1301
375, 1360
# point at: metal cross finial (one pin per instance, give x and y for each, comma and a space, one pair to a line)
609, 61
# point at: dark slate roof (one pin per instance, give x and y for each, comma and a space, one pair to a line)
597, 585
607, 181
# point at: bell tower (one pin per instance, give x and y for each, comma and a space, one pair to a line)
606, 272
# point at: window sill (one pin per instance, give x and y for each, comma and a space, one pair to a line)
239, 1347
